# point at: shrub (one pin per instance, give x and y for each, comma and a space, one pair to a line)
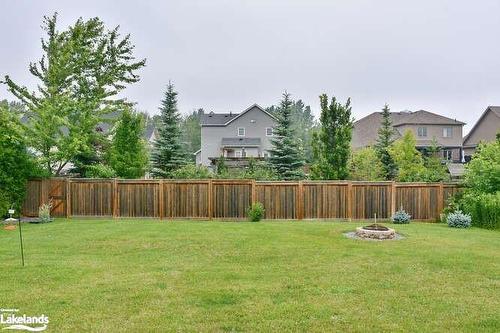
484, 209
256, 212
100, 171
191, 171
401, 217
458, 220
44, 212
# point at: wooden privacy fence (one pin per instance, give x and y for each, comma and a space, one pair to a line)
230, 199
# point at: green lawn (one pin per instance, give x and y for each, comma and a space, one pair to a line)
146, 275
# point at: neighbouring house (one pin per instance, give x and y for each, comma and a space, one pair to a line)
485, 130
425, 125
236, 136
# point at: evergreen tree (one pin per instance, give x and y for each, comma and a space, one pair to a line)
168, 154
332, 143
286, 154
384, 142
128, 155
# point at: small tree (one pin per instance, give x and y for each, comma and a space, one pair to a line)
287, 154
435, 169
128, 154
365, 165
332, 143
409, 161
168, 154
384, 142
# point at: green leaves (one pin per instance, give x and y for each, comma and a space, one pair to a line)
80, 74
332, 144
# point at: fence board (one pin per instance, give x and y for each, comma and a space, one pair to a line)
230, 199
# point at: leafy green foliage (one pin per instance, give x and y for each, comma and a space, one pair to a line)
259, 171
81, 73
286, 154
191, 171
408, 160
191, 133
332, 144
484, 209
16, 163
435, 170
458, 220
128, 154
365, 165
99, 171
482, 173
384, 142
220, 166
168, 154
256, 212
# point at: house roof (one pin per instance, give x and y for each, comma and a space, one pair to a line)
494, 109
224, 119
366, 129
240, 142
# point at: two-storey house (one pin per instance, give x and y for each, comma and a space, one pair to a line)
425, 125
236, 136
485, 130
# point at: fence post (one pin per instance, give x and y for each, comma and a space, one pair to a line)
160, 199
440, 203
349, 200
393, 198
68, 198
300, 203
114, 197
210, 201
254, 194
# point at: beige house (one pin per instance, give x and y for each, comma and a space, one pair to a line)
425, 125
485, 130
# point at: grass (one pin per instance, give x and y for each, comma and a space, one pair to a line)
145, 275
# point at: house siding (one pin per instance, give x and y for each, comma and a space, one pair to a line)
211, 136
485, 131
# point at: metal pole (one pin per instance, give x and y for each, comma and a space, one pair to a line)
21, 241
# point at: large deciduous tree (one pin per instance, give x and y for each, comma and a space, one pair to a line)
81, 73
168, 154
287, 153
384, 142
128, 155
332, 143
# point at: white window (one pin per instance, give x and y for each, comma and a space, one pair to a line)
238, 153
447, 154
241, 131
266, 154
447, 132
422, 131
269, 131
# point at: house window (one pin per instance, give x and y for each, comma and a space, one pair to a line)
238, 153
447, 132
447, 154
241, 131
269, 131
422, 131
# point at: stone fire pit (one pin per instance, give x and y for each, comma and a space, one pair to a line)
375, 231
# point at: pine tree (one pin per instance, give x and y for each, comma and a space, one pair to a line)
384, 142
128, 154
286, 155
168, 154
332, 143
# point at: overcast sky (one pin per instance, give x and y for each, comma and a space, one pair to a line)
441, 56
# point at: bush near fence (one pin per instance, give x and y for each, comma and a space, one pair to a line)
230, 199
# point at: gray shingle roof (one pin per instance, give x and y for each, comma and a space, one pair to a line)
240, 142
216, 118
365, 130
